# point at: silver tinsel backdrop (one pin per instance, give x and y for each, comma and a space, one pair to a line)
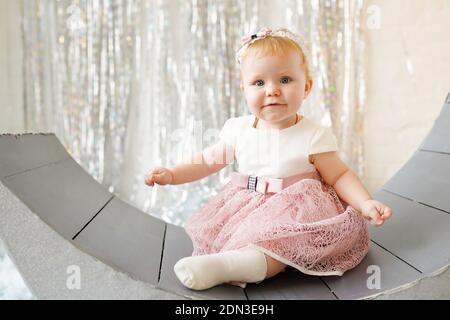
128, 85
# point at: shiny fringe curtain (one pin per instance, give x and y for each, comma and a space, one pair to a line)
128, 85
333, 31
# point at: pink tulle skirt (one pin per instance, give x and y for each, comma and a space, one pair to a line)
305, 226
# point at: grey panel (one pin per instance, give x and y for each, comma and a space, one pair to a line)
46, 260
438, 138
62, 194
424, 178
290, 285
23, 152
416, 233
354, 283
127, 239
176, 246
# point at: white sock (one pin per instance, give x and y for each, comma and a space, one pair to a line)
203, 272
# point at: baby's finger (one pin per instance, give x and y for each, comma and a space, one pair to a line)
387, 213
149, 180
157, 177
375, 218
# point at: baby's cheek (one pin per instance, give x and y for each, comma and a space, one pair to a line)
296, 93
254, 102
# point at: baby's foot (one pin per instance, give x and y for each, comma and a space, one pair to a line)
197, 272
203, 272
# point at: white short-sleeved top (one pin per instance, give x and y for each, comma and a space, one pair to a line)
276, 153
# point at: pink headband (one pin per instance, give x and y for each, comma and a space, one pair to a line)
265, 32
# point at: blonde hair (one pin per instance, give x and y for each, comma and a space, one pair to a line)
277, 46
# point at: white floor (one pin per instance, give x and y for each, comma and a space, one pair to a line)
11, 283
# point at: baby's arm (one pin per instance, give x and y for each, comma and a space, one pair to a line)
202, 164
349, 187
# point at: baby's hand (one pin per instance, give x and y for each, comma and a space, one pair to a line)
376, 212
159, 176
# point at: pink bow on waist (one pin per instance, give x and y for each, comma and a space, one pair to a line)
269, 185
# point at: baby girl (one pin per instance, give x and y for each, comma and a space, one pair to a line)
304, 208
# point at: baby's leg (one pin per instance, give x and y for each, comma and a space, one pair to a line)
203, 272
274, 267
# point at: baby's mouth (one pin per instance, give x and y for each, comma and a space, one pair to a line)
274, 105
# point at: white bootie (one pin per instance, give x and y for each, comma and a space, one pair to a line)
203, 272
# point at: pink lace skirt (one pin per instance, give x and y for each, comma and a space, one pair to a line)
305, 226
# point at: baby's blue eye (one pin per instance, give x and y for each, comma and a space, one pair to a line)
259, 83
285, 80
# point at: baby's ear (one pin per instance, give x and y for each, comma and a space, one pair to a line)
308, 87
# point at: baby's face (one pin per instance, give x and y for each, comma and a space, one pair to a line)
275, 87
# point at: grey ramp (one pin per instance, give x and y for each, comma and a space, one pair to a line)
45, 259
126, 239
417, 234
177, 246
425, 178
438, 138
62, 194
360, 282
24, 152
405, 271
290, 285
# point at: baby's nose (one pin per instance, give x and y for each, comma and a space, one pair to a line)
272, 90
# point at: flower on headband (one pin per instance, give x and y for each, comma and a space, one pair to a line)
261, 34
249, 39
264, 32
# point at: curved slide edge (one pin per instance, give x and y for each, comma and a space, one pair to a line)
50, 265
435, 286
